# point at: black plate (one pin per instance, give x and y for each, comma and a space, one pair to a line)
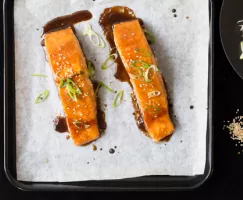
141, 183
231, 36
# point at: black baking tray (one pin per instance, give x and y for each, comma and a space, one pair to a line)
140, 183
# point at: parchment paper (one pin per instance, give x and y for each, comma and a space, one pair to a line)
182, 52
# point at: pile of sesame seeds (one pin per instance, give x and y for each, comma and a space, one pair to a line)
236, 128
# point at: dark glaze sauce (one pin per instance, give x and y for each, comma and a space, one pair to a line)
138, 115
66, 21
108, 18
100, 113
60, 124
94, 147
111, 151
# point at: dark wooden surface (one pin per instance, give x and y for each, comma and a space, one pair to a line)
227, 179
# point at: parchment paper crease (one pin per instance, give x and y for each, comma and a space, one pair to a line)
182, 52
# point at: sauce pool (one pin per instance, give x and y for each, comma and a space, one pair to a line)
66, 21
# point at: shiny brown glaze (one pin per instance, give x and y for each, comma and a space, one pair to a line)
108, 18
138, 115
66, 21
60, 124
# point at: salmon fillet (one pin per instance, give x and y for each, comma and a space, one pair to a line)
74, 86
137, 57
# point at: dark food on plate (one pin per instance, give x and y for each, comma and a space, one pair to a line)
145, 78
74, 86
66, 21
108, 18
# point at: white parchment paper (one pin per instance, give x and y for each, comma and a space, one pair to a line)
182, 52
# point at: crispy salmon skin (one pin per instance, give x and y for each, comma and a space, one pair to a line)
145, 78
74, 86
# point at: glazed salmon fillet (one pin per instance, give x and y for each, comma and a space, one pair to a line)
145, 78
74, 86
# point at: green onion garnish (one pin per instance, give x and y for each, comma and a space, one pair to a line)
42, 97
91, 69
101, 84
241, 45
150, 36
153, 109
61, 82
118, 99
154, 93
80, 125
141, 63
146, 74
143, 52
112, 57
71, 88
40, 75
95, 39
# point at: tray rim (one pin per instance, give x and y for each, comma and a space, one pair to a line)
49, 186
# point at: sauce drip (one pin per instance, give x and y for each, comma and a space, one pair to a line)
111, 151
61, 124
108, 18
138, 115
100, 113
66, 21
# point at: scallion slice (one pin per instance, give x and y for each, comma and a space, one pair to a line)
154, 93
91, 69
118, 99
241, 46
101, 84
71, 88
61, 82
112, 57
42, 96
95, 39
143, 52
150, 36
146, 73
80, 125
139, 64
153, 109
40, 75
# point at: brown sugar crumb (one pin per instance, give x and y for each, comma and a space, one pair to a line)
94, 147
187, 17
236, 128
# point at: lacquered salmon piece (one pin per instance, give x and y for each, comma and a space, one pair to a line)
134, 50
64, 53
80, 111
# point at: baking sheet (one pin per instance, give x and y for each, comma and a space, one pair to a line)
182, 52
